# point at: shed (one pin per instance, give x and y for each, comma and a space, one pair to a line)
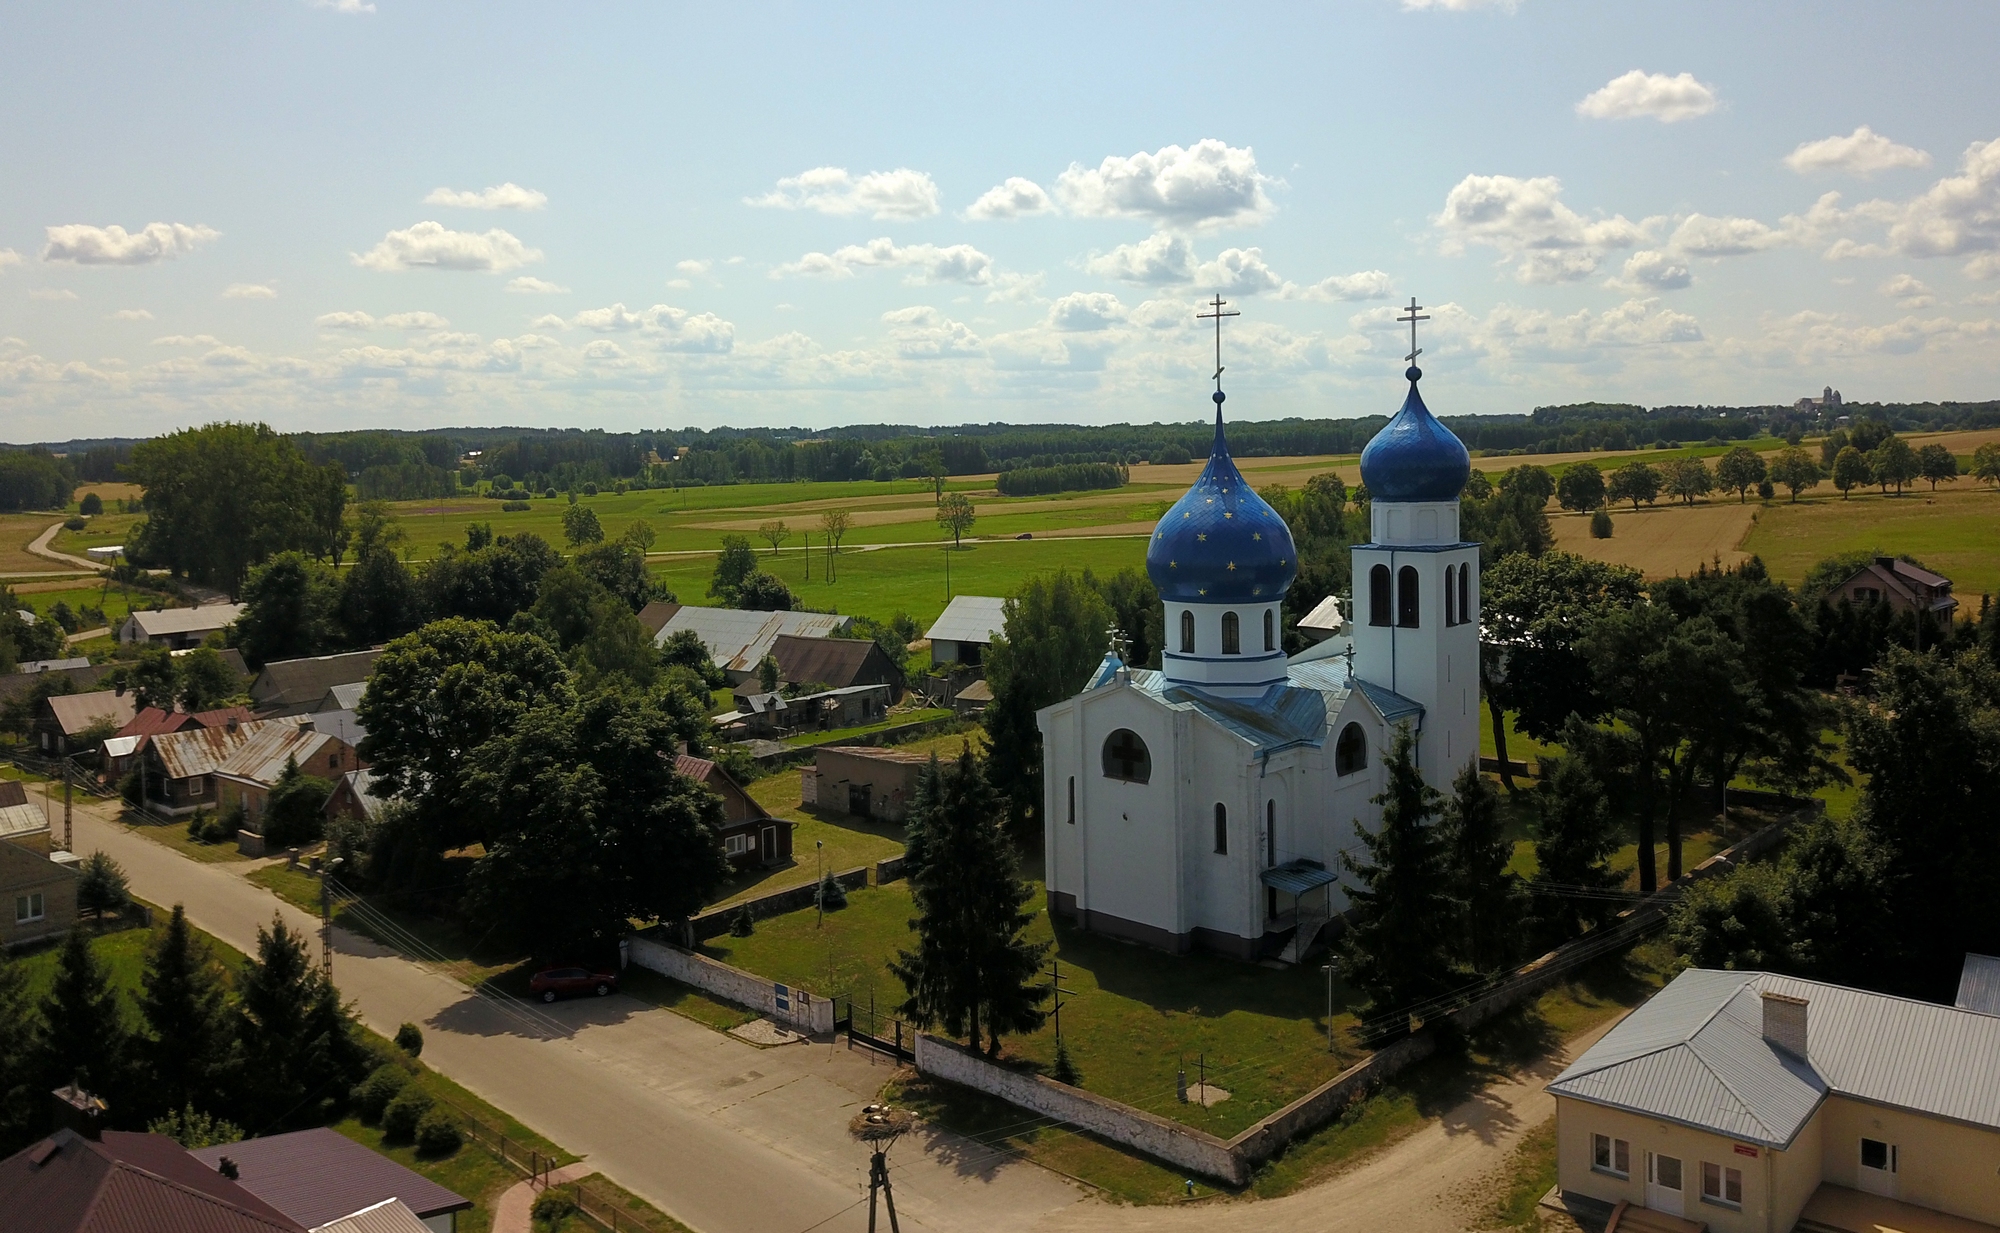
318, 1176
966, 628
974, 698
178, 628
863, 781
1323, 622
1979, 985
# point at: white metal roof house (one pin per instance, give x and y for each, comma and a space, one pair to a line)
966, 628
1751, 1101
176, 628
737, 640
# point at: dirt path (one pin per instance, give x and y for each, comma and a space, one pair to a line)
1437, 1180
40, 547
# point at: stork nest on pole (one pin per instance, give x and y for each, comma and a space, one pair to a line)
879, 1125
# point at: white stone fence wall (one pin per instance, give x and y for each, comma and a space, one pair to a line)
800, 1008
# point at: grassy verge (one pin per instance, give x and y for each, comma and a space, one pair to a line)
173, 833
1529, 1172
631, 1209
906, 719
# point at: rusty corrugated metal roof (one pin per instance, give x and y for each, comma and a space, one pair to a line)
206, 751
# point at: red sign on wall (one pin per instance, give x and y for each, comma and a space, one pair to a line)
1751, 1152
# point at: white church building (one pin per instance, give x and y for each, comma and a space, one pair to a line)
1207, 804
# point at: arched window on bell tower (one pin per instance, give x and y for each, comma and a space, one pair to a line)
1450, 596
1407, 609
1232, 635
1464, 593
1187, 632
1270, 642
1380, 604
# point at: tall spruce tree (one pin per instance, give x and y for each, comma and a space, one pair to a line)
1399, 945
1477, 854
972, 969
20, 1110
83, 1036
186, 1041
298, 1053
1573, 844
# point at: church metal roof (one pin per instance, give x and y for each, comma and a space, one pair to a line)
1296, 877
1414, 457
1221, 543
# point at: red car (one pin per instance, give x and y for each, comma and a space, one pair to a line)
551, 983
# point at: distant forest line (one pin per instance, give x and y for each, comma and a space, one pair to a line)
396, 464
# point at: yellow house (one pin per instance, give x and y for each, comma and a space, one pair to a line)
1745, 1101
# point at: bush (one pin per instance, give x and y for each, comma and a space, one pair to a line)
832, 895
553, 1206
742, 925
74, 524
194, 1129
410, 1039
1765, 491
1600, 525
1070, 477
437, 1134
383, 1085
198, 824
128, 788
549, 494
401, 1115
213, 830
91, 505
1170, 455
512, 507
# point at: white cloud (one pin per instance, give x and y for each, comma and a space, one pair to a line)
414, 321
923, 333
1527, 221
1862, 153
9, 257
694, 269
52, 293
432, 245
1537, 335
186, 340
1208, 184
529, 285
87, 245
131, 314
1959, 216
1983, 297
345, 6
1365, 285
1461, 6
1702, 236
1818, 335
508, 196
1164, 314
249, 291
1158, 259
1016, 288
1016, 198
1908, 291
548, 321
901, 193
1637, 93
1652, 270
1084, 311
667, 328
344, 321
1238, 271
928, 263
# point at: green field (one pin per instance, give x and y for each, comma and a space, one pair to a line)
1955, 532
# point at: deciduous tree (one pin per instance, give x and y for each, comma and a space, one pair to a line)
1581, 487
1740, 470
1937, 463
1796, 470
736, 562
291, 610
955, 515
1056, 629
1893, 462
1634, 482
580, 526
1850, 470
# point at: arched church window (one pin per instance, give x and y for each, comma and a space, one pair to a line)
1378, 595
1406, 597
1125, 757
1464, 593
1232, 638
1450, 596
1221, 830
1270, 641
1350, 753
1270, 833
1187, 632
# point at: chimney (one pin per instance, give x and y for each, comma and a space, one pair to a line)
1888, 563
1785, 1023
78, 1110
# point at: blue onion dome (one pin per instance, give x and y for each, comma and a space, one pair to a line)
1221, 543
1414, 457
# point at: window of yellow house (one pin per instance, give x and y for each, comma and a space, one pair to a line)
1721, 1184
1609, 1155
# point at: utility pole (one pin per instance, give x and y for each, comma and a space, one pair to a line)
879, 1126
326, 916
819, 887
66, 803
1055, 983
1328, 969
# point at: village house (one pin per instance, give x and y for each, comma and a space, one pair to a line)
64, 719
237, 763
1902, 586
297, 686
122, 751
353, 796
738, 640
22, 821
178, 628
1750, 1101
320, 1176
827, 663
862, 781
37, 889
121, 1182
81, 679
751, 837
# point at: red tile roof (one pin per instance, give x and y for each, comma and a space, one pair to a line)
128, 1183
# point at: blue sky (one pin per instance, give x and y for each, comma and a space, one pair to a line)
409, 214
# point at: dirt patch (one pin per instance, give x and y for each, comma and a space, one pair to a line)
1665, 540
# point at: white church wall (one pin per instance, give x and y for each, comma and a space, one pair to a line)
1251, 668
1128, 832
1432, 663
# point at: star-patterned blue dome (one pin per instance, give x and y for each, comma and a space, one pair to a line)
1414, 457
1221, 543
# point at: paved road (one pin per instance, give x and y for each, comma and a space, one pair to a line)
728, 1137
724, 1136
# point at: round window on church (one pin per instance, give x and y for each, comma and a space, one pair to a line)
1125, 757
